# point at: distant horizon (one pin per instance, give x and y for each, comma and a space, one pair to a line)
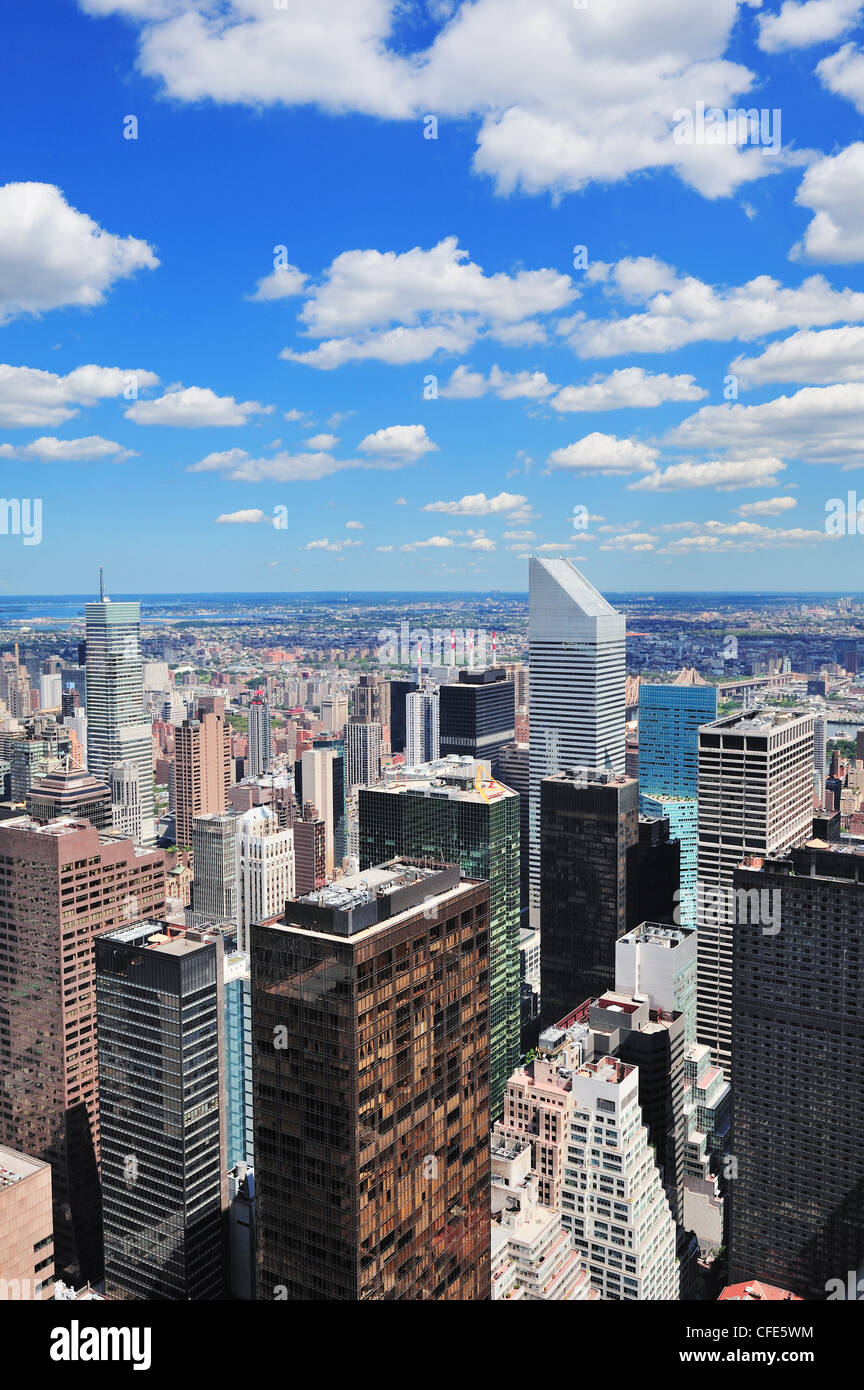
124, 596
179, 594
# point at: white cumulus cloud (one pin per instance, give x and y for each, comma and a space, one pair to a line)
398, 444
195, 407
604, 453
51, 255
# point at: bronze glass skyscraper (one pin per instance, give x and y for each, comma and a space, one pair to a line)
370, 1008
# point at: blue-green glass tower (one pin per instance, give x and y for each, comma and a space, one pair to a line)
237, 1008
669, 719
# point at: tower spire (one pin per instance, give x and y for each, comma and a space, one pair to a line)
101, 586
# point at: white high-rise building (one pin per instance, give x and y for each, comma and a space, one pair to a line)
265, 869
577, 681
533, 1259
117, 728
592, 1160
175, 708
156, 676
755, 798
334, 713
317, 774
422, 739
612, 1196
50, 690
362, 754
126, 800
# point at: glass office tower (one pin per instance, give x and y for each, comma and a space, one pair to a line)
117, 727
577, 663
669, 719
164, 1190
450, 812
240, 1134
370, 1010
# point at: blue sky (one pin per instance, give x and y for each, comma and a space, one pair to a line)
292, 385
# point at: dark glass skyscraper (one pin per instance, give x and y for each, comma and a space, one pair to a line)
370, 1008
399, 691
477, 714
798, 1060
444, 814
164, 1189
589, 852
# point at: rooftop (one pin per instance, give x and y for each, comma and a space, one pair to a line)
759, 720
160, 936
455, 778
756, 1292
15, 1166
364, 901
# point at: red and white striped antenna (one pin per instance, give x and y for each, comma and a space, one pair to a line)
452, 648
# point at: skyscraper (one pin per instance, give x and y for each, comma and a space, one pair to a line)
682, 813
321, 783
362, 753
239, 1129
126, 800
533, 1259
399, 690
477, 715
798, 1057
260, 739
202, 771
68, 791
669, 720
514, 770
265, 868
820, 747
755, 798
370, 1011
161, 1052
422, 726
334, 713
577, 656
581, 1115
214, 856
450, 812
371, 700
310, 856
589, 843
62, 884
117, 728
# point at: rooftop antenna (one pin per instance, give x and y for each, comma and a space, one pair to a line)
452, 649
101, 586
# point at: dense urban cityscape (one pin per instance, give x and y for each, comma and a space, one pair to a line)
347, 958
431, 672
